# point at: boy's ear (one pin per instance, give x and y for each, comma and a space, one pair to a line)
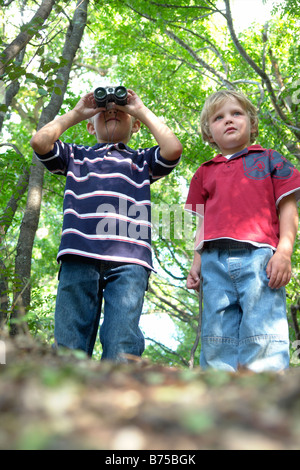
90, 128
136, 126
254, 127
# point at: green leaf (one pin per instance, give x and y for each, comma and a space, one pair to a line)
42, 91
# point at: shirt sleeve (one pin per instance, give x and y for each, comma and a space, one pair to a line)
159, 166
285, 177
196, 196
57, 160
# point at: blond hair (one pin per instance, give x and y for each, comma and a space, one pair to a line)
214, 101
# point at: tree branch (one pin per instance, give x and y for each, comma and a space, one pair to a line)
168, 350
294, 310
254, 66
24, 36
197, 339
12, 205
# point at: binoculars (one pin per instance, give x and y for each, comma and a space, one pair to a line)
103, 96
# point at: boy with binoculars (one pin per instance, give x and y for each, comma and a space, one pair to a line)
105, 250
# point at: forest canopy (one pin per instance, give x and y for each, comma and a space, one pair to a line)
173, 55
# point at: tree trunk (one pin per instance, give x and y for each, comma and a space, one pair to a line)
30, 220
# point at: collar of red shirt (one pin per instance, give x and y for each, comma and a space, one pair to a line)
245, 151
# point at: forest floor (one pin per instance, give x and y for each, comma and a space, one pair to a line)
66, 402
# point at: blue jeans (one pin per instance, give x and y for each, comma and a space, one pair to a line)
244, 322
82, 286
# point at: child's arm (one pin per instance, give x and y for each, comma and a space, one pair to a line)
170, 147
193, 279
43, 141
279, 267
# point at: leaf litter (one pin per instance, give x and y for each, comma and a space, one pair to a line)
66, 402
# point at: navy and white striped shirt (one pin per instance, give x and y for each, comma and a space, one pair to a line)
107, 207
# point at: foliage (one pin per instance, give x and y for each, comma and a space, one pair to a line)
173, 55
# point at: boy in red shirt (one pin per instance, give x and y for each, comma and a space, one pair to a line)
245, 198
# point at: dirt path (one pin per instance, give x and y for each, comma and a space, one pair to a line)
51, 402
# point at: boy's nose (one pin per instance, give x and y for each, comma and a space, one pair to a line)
111, 111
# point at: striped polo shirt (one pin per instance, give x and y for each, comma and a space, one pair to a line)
107, 207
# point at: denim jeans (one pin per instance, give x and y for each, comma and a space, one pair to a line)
82, 287
244, 321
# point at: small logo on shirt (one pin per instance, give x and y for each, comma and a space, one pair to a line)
261, 166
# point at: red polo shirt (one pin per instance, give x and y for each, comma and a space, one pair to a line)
239, 196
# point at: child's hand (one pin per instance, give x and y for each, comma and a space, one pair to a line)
134, 104
279, 270
193, 279
86, 107
170, 147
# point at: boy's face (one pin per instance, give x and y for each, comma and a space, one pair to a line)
112, 126
230, 127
